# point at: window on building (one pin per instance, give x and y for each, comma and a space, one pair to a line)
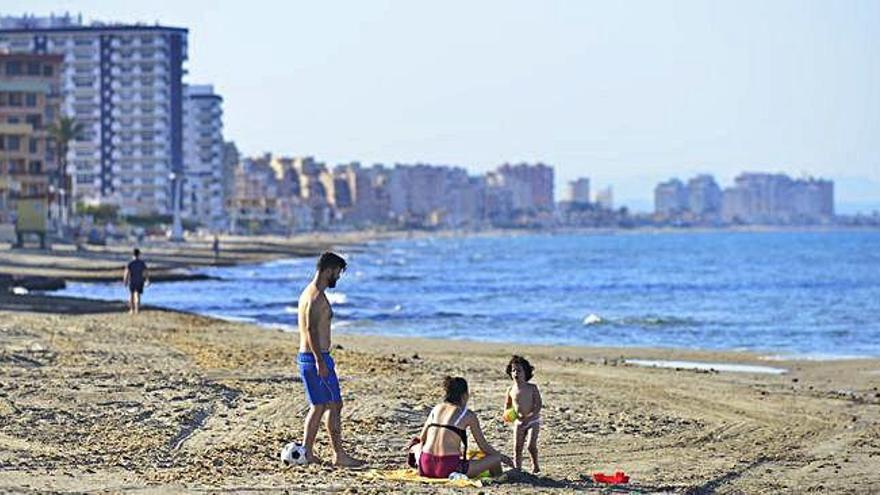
13, 120
33, 145
13, 68
30, 100
35, 120
4, 98
17, 166
13, 143
48, 70
33, 68
35, 167
83, 82
20, 45
15, 99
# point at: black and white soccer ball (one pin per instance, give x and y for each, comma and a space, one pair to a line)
292, 454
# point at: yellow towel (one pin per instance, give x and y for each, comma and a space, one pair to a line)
412, 476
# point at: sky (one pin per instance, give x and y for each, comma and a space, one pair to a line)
626, 93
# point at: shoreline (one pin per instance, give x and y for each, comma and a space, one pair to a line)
768, 355
767, 358
35, 269
41, 302
176, 402
356, 241
751, 356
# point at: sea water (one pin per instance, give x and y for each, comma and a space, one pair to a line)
787, 293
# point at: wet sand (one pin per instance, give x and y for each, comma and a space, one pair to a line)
168, 261
36, 269
93, 399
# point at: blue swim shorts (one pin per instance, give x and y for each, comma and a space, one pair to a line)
318, 390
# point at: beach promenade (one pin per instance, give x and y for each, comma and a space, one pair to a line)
93, 399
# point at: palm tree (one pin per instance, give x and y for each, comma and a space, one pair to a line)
62, 132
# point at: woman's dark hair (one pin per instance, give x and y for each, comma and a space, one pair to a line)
330, 260
454, 388
526, 366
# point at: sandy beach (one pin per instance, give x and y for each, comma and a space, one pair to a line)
94, 399
37, 269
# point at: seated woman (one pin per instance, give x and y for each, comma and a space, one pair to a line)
444, 438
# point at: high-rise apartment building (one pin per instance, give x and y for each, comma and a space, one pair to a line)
124, 83
670, 198
370, 194
579, 191
231, 157
255, 200
759, 198
417, 191
29, 103
704, 196
203, 154
532, 185
605, 198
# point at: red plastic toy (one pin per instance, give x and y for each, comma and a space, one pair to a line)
618, 478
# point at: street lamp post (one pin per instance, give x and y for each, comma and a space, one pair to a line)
176, 234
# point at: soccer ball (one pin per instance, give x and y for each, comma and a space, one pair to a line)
293, 453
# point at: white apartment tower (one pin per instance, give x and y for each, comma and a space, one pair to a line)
579, 191
124, 83
203, 149
605, 198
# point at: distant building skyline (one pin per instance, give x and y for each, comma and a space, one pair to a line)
755, 198
595, 91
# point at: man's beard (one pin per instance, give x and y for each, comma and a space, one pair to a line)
332, 282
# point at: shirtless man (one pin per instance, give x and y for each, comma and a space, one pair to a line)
316, 367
